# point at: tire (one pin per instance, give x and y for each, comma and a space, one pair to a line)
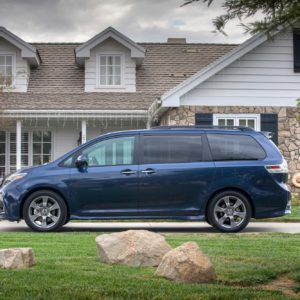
229, 211
45, 211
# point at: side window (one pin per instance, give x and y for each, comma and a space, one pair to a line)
111, 152
234, 147
172, 149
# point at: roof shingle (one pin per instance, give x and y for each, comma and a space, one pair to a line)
58, 83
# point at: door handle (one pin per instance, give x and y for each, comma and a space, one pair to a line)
128, 172
149, 171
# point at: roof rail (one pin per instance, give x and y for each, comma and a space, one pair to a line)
241, 128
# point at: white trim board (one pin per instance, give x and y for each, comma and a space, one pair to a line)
27, 50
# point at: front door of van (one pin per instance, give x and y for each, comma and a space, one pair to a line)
176, 174
109, 185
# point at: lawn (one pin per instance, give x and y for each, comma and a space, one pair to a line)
68, 268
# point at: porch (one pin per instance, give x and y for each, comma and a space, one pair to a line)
30, 138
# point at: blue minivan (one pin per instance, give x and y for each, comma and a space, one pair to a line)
224, 176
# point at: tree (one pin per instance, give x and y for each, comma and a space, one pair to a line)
269, 14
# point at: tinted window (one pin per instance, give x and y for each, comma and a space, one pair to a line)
172, 149
234, 147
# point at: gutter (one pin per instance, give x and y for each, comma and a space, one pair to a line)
42, 113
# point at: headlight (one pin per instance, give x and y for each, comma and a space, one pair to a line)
13, 177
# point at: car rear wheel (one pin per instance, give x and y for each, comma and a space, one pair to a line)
45, 211
229, 211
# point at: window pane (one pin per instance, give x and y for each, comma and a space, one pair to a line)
37, 136
47, 148
2, 136
47, 136
110, 71
110, 80
117, 60
36, 148
230, 122
234, 147
2, 60
103, 60
46, 159
117, 151
36, 159
12, 159
2, 160
251, 123
8, 71
8, 60
2, 148
243, 122
172, 149
117, 71
117, 80
102, 80
221, 122
102, 71
109, 60
24, 160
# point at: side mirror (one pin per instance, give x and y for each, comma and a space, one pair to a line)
81, 162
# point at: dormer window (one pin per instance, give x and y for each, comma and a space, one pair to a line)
110, 70
6, 69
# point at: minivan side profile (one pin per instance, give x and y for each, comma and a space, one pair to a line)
224, 176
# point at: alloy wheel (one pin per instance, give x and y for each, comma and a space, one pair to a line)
229, 212
44, 212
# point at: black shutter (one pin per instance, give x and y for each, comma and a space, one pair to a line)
204, 119
269, 122
297, 51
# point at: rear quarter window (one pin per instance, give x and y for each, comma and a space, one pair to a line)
226, 147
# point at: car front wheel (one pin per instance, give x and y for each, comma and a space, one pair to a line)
229, 211
45, 211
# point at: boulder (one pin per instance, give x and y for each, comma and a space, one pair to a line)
132, 248
16, 258
187, 263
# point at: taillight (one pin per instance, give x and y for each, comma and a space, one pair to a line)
281, 168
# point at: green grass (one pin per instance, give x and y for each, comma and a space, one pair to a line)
68, 268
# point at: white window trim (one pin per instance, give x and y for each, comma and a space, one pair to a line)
236, 117
14, 67
98, 85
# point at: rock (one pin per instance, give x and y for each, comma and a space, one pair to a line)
17, 258
187, 263
132, 247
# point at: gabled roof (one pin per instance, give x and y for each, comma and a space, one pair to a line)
27, 50
172, 97
84, 50
164, 67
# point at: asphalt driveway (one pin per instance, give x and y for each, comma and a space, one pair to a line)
197, 227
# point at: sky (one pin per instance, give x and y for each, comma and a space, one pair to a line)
140, 20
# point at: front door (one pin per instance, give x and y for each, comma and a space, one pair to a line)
109, 185
176, 173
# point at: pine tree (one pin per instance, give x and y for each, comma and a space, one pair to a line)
269, 14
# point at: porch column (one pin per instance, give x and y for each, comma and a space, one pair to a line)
18, 144
83, 131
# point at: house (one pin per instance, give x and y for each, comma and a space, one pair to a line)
58, 95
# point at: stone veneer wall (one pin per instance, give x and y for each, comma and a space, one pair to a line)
288, 127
